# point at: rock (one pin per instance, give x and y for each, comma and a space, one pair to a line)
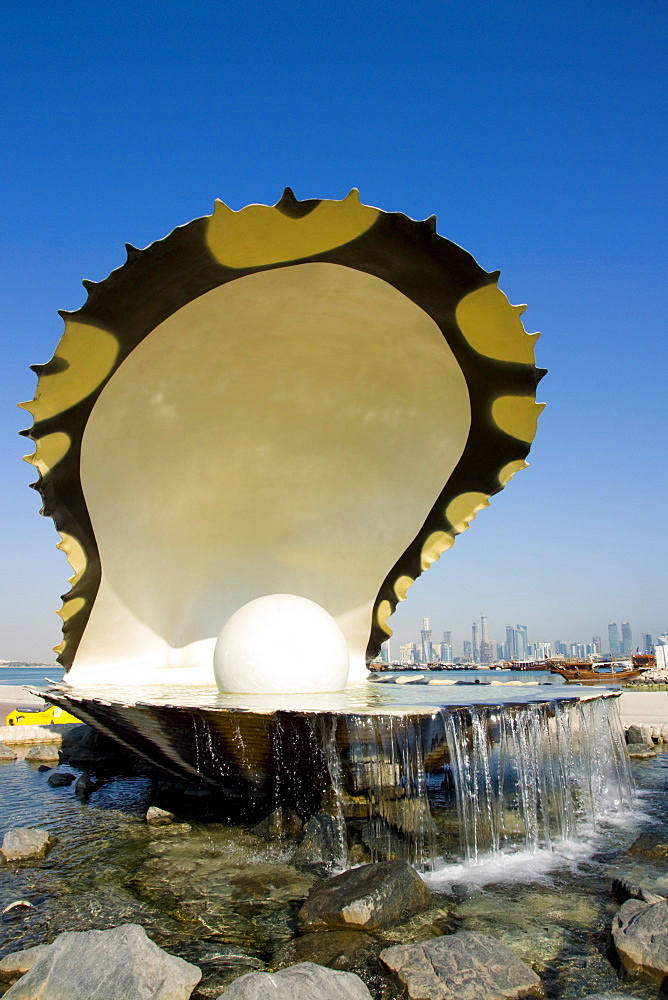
85, 787
84, 745
77, 735
623, 890
159, 817
305, 981
6, 753
640, 934
321, 840
335, 949
366, 898
650, 845
13, 966
59, 779
462, 966
44, 751
639, 734
281, 823
106, 965
24, 843
640, 750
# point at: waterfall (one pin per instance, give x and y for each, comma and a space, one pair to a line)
470, 782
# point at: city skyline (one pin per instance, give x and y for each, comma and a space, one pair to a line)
480, 647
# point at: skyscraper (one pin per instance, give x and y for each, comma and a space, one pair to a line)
627, 639
475, 647
511, 651
446, 652
425, 641
647, 644
522, 642
613, 639
597, 644
447, 637
467, 650
486, 647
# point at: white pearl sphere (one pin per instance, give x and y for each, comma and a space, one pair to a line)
281, 644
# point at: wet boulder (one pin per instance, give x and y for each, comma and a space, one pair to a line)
44, 751
321, 840
6, 753
623, 890
106, 965
85, 786
640, 935
641, 750
335, 949
305, 981
159, 817
15, 965
650, 845
462, 966
365, 898
24, 844
639, 734
60, 779
279, 825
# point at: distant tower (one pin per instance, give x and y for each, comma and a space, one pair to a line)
647, 644
511, 650
475, 645
627, 639
486, 647
447, 638
597, 644
425, 639
522, 642
467, 651
613, 639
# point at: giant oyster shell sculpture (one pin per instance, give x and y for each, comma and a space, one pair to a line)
309, 399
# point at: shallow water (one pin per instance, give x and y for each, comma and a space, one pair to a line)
227, 900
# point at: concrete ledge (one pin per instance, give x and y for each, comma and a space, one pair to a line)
644, 708
13, 735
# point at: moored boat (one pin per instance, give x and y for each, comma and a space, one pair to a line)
586, 672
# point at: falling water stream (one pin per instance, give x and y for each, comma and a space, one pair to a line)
473, 782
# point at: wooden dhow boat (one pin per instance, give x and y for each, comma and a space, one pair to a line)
586, 672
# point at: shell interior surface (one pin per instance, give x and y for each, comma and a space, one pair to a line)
309, 399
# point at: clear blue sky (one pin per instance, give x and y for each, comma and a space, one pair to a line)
535, 132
